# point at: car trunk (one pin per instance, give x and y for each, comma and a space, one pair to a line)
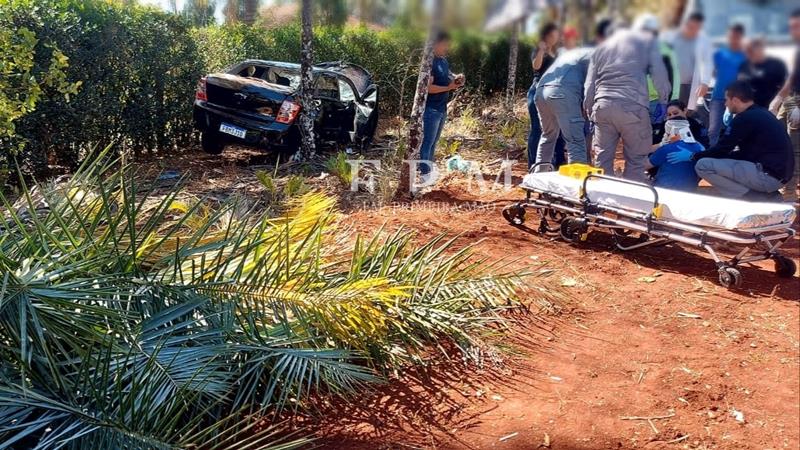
249, 96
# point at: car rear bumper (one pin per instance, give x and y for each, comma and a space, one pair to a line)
260, 133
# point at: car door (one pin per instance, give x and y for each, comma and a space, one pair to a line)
337, 109
366, 120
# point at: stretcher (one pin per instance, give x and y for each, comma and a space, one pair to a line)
579, 198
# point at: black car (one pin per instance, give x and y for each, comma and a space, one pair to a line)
255, 103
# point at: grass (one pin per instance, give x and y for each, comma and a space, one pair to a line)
338, 166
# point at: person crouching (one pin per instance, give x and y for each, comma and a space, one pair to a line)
679, 176
753, 159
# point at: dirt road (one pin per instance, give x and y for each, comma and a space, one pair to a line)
648, 334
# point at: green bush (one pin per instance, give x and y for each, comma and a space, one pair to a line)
137, 68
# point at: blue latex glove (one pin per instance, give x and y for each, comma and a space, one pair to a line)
727, 118
679, 157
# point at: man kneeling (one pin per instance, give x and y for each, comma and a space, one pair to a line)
763, 162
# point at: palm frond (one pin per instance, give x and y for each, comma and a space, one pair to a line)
133, 318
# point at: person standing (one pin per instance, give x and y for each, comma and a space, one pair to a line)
765, 74
559, 101
786, 106
753, 159
442, 81
649, 22
542, 58
727, 62
617, 100
571, 38
694, 52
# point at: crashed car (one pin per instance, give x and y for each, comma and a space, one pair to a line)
256, 103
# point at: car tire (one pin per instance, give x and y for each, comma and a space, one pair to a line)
211, 143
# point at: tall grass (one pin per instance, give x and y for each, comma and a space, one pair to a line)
135, 319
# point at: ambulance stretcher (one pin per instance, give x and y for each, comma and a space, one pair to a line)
578, 197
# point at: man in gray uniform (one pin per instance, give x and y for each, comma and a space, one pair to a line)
617, 101
559, 100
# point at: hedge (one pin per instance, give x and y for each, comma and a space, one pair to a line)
138, 66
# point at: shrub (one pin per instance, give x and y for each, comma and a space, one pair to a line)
137, 68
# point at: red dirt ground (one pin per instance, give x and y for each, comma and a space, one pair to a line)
676, 344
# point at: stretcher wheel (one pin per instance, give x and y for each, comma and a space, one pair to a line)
514, 214
573, 230
625, 238
730, 277
556, 216
784, 267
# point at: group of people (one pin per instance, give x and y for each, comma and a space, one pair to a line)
643, 87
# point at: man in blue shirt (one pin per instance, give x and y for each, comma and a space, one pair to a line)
679, 176
727, 62
442, 81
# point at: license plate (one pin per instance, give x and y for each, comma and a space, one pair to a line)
232, 130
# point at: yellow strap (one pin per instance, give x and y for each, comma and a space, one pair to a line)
658, 211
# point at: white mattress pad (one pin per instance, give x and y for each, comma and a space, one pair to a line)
696, 209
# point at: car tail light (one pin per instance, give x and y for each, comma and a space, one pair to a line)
288, 112
200, 94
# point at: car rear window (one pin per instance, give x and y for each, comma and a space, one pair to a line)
325, 86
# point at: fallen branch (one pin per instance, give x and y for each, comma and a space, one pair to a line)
647, 418
641, 376
689, 315
678, 440
505, 438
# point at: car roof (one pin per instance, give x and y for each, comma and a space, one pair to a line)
360, 77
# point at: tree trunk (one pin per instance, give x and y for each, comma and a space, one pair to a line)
231, 11
250, 11
307, 106
420, 98
512, 66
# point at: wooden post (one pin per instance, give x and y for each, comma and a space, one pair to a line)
308, 108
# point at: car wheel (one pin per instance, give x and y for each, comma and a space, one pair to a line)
211, 143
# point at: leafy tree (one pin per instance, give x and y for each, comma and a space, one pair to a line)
23, 84
331, 12
232, 12
199, 12
249, 11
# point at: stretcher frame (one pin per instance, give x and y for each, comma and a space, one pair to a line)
576, 216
